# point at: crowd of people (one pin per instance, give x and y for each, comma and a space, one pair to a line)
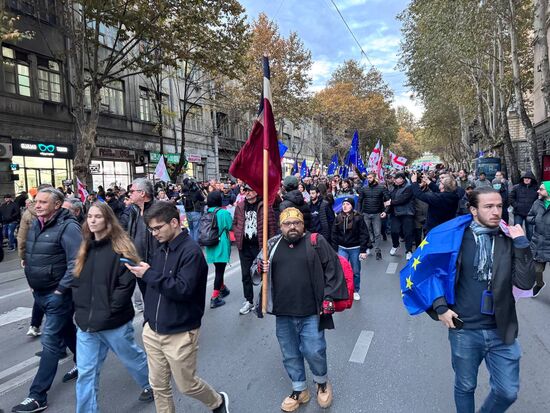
91, 265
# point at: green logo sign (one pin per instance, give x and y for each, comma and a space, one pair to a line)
171, 157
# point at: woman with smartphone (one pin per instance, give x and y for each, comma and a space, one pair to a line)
102, 295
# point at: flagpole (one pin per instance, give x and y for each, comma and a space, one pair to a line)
265, 227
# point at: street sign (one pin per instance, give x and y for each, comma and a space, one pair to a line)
95, 168
170, 157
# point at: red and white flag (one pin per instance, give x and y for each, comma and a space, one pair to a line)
82, 192
374, 157
397, 162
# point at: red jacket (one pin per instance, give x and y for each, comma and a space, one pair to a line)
239, 219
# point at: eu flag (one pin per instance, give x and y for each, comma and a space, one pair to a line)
303, 169
361, 165
333, 165
282, 149
431, 271
294, 167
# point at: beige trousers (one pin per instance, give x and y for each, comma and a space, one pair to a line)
175, 355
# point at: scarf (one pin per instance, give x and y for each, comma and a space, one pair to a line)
483, 259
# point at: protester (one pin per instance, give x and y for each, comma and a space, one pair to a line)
501, 185
10, 215
76, 208
305, 193
102, 295
371, 204
442, 205
539, 220
463, 181
522, 197
303, 282
52, 242
402, 211
347, 188
192, 199
248, 228
114, 202
482, 181
174, 305
350, 237
322, 214
420, 214
484, 304
294, 198
219, 254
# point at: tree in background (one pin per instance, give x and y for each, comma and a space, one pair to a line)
8, 28
407, 143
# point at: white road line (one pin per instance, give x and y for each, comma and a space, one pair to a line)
25, 290
17, 314
20, 366
361, 347
392, 267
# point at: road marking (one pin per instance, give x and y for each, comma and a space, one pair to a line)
17, 314
21, 366
392, 267
361, 348
23, 378
25, 290
227, 274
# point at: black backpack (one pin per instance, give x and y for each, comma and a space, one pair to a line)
209, 233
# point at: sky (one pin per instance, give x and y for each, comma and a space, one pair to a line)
318, 24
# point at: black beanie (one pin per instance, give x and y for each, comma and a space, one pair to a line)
214, 199
351, 200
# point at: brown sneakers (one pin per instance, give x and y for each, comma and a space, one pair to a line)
324, 394
292, 402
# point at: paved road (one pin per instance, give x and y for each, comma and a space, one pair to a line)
406, 368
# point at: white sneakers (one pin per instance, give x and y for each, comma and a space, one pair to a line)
356, 296
246, 308
408, 255
393, 251
34, 331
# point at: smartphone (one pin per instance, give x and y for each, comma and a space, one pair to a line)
127, 261
458, 323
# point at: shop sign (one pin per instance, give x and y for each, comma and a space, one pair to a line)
95, 168
112, 153
45, 149
194, 158
171, 157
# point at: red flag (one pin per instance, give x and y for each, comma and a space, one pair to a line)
82, 192
248, 164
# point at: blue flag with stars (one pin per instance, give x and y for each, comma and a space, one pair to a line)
431, 271
294, 168
282, 149
303, 169
333, 165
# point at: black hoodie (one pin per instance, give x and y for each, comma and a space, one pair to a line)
295, 199
522, 196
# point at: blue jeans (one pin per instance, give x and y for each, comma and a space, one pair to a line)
299, 338
468, 349
519, 220
8, 231
352, 255
58, 331
92, 350
193, 218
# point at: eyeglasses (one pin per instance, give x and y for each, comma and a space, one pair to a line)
152, 230
294, 224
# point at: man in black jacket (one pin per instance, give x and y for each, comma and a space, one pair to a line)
442, 205
51, 248
402, 209
371, 205
483, 322
293, 198
10, 215
174, 306
322, 215
522, 197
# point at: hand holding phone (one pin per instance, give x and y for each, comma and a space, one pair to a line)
459, 324
128, 261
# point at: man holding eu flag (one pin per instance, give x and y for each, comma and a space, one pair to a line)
466, 268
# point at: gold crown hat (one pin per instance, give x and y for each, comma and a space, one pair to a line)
291, 213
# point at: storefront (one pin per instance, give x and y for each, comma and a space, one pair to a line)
110, 167
39, 163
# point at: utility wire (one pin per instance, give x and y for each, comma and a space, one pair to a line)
351, 32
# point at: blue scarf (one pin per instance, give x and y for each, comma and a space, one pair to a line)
483, 259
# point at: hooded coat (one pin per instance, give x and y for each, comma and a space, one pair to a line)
295, 199
539, 217
523, 196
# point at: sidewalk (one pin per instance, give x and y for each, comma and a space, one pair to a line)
10, 267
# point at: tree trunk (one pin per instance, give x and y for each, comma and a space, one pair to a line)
541, 48
518, 92
86, 132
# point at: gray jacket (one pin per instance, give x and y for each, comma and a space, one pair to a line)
539, 217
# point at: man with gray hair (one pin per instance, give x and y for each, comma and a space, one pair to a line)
142, 194
53, 241
76, 207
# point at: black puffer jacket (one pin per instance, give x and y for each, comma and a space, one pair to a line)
523, 196
372, 198
295, 199
402, 200
102, 293
322, 218
358, 236
539, 216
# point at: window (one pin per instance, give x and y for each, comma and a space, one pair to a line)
43, 9
145, 106
16, 72
112, 98
148, 107
49, 81
193, 121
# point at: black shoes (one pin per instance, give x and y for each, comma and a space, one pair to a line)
216, 302
29, 405
146, 395
537, 289
224, 292
72, 374
224, 407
